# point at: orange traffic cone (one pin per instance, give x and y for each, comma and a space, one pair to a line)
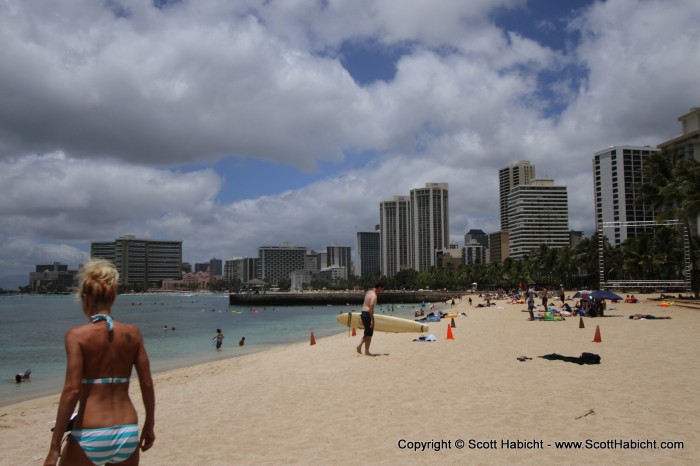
354, 332
449, 333
313, 340
580, 323
452, 324
597, 339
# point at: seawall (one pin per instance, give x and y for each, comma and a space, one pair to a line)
340, 298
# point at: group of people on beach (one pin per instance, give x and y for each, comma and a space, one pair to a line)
218, 339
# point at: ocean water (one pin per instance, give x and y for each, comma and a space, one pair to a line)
32, 330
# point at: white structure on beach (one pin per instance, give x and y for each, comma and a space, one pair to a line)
618, 172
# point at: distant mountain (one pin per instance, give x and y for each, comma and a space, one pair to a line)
13, 282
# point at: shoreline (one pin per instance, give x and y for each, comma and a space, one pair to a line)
298, 403
338, 297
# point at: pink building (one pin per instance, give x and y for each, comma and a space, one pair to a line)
198, 280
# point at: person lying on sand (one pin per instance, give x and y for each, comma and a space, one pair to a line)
647, 317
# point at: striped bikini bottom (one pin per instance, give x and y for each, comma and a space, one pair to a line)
108, 444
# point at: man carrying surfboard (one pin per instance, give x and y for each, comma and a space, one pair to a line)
367, 317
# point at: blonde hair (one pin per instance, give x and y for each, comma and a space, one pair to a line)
98, 278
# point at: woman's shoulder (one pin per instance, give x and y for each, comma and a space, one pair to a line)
127, 328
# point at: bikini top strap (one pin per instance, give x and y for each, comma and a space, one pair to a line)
106, 317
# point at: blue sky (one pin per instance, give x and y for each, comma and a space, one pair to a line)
232, 125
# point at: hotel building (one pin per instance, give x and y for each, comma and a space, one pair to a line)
241, 268
367, 253
278, 262
617, 174
141, 262
687, 146
429, 222
498, 246
339, 257
518, 174
538, 213
413, 228
394, 234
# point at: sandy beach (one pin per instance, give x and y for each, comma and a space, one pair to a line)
325, 404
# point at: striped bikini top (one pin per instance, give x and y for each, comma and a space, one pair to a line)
105, 380
110, 326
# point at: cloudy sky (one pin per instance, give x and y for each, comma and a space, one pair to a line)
236, 124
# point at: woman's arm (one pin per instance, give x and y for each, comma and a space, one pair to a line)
69, 395
143, 369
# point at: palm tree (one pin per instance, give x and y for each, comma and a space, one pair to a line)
672, 191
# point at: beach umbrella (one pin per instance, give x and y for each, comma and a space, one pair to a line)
580, 293
605, 294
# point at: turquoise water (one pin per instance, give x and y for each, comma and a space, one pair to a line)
32, 330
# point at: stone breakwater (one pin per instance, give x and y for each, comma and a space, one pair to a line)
340, 298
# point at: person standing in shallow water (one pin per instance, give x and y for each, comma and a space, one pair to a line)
218, 338
367, 317
100, 357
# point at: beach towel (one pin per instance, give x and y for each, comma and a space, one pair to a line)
430, 337
585, 358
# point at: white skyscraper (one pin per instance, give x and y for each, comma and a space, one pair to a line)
538, 213
518, 174
617, 174
394, 234
430, 224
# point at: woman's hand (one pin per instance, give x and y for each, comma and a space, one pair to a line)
147, 438
52, 457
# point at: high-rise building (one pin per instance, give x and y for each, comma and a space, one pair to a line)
367, 253
518, 174
538, 213
450, 257
474, 253
429, 222
321, 260
575, 238
278, 262
394, 233
473, 237
142, 262
617, 174
241, 268
687, 146
339, 256
215, 266
311, 261
54, 275
498, 246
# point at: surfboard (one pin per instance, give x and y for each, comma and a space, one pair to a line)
383, 323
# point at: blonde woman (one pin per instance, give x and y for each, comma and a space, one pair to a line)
101, 355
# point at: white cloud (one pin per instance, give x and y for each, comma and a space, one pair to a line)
96, 110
